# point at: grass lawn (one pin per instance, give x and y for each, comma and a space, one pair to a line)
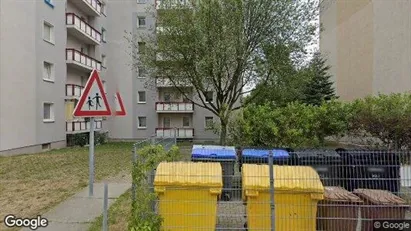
31, 184
119, 211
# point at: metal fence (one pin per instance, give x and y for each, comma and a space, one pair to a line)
301, 190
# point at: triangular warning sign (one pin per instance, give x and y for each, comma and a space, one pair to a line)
93, 101
120, 110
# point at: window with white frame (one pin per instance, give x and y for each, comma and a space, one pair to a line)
166, 122
141, 22
48, 113
48, 71
103, 60
141, 1
141, 47
167, 96
48, 32
103, 34
142, 73
142, 122
209, 96
186, 121
209, 121
141, 97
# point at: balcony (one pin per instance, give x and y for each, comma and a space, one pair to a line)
82, 126
166, 82
81, 61
174, 107
181, 133
82, 30
90, 7
73, 91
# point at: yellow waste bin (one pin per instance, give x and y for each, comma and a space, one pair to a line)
297, 190
188, 194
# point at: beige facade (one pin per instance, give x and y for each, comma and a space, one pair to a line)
368, 45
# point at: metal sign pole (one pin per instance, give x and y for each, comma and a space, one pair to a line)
272, 205
91, 157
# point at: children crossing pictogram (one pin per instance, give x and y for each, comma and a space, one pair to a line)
93, 101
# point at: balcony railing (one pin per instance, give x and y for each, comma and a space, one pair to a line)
73, 90
82, 30
82, 126
82, 60
177, 107
166, 82
181, 133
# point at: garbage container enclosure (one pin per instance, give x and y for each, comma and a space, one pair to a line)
188, 195
380, 205
225, 155
371, 169
260, 156
327, 163
339, 210
297, 192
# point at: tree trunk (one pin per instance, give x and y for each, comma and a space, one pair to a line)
223, 133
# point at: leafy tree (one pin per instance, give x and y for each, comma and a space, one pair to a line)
319, 88
221, 46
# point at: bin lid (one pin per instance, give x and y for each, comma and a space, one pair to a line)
189, 174
286, 178
263, 153
213, 152
369, 156
339, 194
379, 197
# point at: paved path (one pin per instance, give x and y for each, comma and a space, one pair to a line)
76, 213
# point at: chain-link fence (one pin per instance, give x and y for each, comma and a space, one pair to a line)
233, 189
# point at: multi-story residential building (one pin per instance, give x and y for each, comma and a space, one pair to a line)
157, 109
47, 51
368, 45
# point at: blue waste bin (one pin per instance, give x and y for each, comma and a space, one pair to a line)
253, 155
225, 155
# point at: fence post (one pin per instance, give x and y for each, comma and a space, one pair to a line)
133, 184
272, 205
105, 208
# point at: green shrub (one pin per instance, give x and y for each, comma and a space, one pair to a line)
143, 217
386, 117
80, 139
100, 137
295, 125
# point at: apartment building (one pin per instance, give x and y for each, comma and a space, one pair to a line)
157, 109
47, 51
368, 45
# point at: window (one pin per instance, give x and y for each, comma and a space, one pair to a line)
104, 86
141, 97
142, 123
186, 121
104, 9
209, 122
103, 34
103, 61
166, 122
49, 2
48, 115
141, 47
167, 97
141, 1
48, 32
141, 22
209, 97
142, 73
48, 71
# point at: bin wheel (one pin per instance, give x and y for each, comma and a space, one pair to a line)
245, 226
